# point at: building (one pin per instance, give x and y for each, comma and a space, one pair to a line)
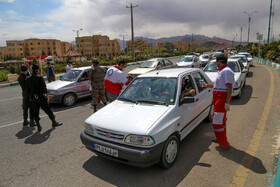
98, 46
140, 45
35, 47
179, 45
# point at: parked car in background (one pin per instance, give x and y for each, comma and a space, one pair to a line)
189, 61
152, 64
156, 118
214, 55
204, 59
249, 57
211, 70
243, 59
72, 86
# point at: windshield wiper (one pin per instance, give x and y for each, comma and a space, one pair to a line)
152, 102
129, 100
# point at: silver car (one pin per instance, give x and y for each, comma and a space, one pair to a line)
72, 86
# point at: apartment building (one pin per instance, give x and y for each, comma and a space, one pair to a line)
139, 44
98, 46
35, 47
177, 45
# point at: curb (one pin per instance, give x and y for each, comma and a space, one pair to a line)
268, 63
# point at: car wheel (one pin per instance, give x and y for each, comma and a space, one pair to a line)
210, 114
69, 99
170, 152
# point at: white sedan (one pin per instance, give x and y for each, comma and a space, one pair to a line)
237, 67
189, 61
148, 120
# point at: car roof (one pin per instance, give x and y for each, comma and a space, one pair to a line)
188, 56
154, 59
172, 72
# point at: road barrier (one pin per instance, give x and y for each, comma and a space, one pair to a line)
268, 63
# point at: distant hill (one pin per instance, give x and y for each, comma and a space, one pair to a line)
199, 40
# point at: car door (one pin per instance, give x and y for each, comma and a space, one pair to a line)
243, 74
83, 84
187, 111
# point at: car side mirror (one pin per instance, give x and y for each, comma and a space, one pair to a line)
187, 100
245, 71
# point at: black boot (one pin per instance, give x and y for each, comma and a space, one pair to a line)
39, 126
32, 123
25, 122
55, 123
94, 108
105, 104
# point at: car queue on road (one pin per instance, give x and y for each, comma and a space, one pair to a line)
158, 117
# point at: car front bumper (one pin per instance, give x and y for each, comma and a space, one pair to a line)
55, 98
135, 156
235, 91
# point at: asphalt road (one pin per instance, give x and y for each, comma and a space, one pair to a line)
56, 156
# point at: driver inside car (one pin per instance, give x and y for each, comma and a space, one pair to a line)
187, 88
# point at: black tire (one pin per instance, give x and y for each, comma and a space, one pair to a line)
210, 114
69, 99
170, 152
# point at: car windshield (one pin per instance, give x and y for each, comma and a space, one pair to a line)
186, 59
212, 67
205, 57
216, 54
247, 55
148, 64
151, 90
71, 75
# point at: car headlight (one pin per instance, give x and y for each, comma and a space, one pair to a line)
236, 84
53, 92
89, 129
139, 140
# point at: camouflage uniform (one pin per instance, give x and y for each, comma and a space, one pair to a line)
96, 76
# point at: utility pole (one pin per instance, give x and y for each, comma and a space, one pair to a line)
78, 41
269, 22
132, 31
249, 15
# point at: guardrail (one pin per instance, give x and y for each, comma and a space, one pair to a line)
268, 63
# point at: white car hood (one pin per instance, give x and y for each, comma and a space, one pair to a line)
127, 117
140, 70
213, 76
55, 85
185, 63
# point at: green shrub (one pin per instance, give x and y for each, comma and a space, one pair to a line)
3, 75
12, 69
17, 69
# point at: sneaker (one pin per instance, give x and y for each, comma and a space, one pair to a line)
32, 124
25, 123
56, 124
214, 140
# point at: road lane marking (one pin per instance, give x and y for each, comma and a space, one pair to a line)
242, 172
15, 123
10, 99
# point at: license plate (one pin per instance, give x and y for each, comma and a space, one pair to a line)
106, 150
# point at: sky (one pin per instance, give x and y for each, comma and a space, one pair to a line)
56, 19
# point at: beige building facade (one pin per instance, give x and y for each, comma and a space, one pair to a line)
35, 47
98, 46
139, 45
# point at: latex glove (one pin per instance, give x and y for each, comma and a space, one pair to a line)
227, 106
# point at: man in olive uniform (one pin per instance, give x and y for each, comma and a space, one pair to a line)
37, 90
25, 98
96, 76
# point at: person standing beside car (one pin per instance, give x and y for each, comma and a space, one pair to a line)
68, 66
221, 100
115, 79
25, 98
96, 78
49, 70
37, 90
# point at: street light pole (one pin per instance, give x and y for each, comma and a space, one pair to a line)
78, 40
241, 27
249, 15
269, 21
132, 30
123, 42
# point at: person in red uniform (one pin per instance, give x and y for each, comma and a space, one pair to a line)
115, 79
221, 100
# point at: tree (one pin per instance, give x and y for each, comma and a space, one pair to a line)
34, 61
163, 50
